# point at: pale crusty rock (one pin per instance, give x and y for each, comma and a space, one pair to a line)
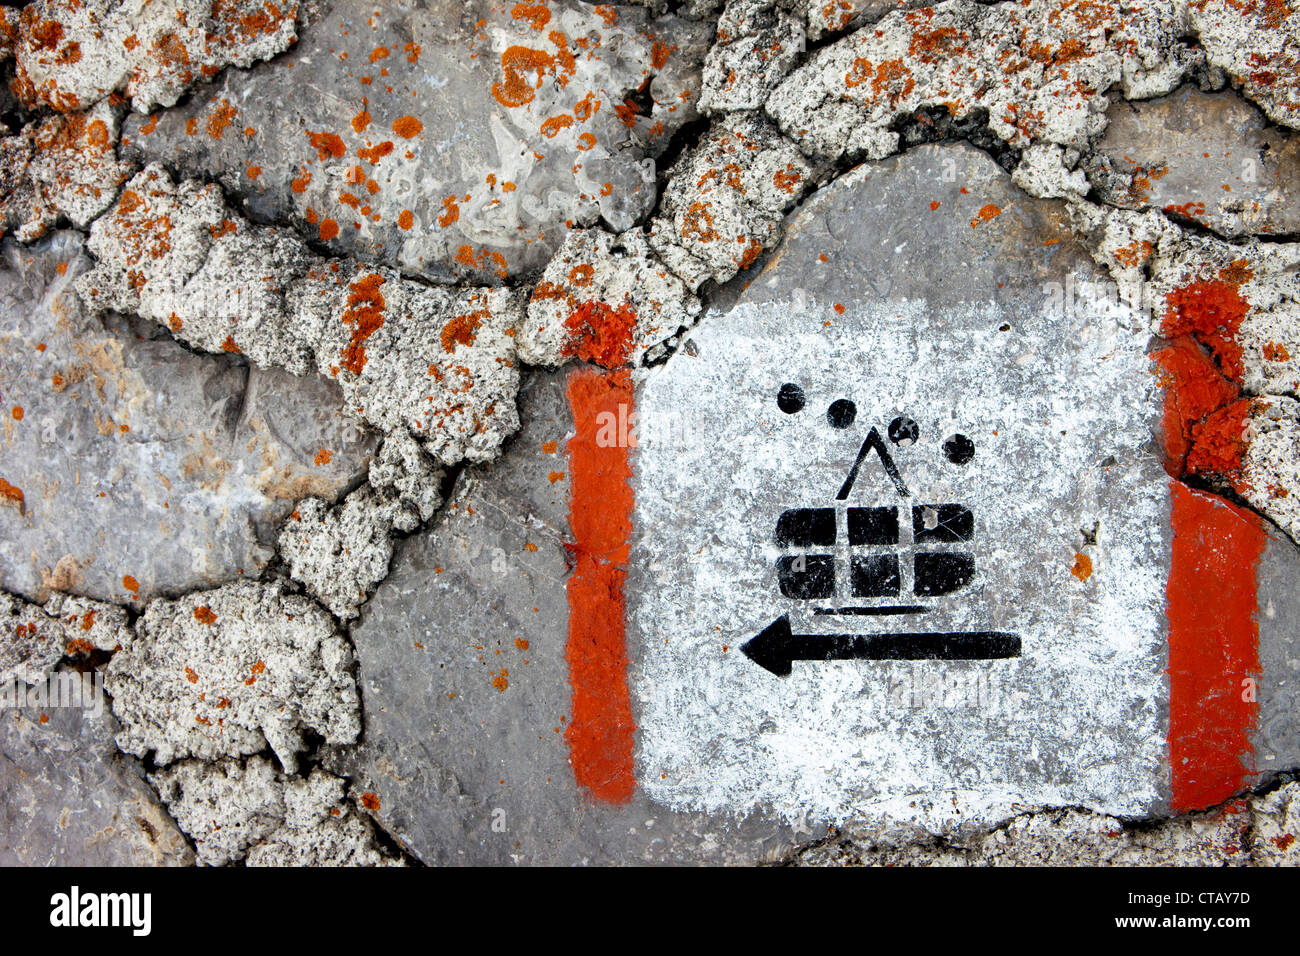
405, 473
134, 468
251, 812
64, 165
436, 362
455, 140
69, 798
1258, 831
758, 41
1269, 478
834, 16
339, 554
174, 254
1205, 157
231, 671
73, 53
725, 200
597, 288
1258, 47
1038, 70
34, 638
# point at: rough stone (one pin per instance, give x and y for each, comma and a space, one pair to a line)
1258, 48
605, 299
1259, 831
1038, 70
73, 53
68, 798
63, 166
724, 202
251, 812
132, 467
453, 140
436, 362
1206, 157
758, 41
231, 671
34, 638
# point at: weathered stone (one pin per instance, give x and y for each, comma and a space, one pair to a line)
34, 638
1205, 157
436, 362
251, 812
229, 672
68, 798
1258, 48
724, 203
606, 299
758, 41
457, 140
1038, 70
466, 685
1259, 831
73, 53
62, 166
132, 467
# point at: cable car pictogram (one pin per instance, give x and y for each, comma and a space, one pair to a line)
881, 553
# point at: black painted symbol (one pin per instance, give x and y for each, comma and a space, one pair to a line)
959, 449
841, 413
790, 398
903, 431
882, 555
777, 647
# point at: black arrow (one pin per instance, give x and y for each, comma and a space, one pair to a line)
775, 648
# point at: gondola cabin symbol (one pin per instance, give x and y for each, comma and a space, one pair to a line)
889, 561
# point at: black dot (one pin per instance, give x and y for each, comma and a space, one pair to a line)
903, 431
959, 449
841, 413
790, 398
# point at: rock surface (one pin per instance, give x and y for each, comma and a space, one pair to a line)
69, 798
250, 812
454, 140
229, 672
1205, 157
177, 468
463, 671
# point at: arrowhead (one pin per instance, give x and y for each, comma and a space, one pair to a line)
770, 649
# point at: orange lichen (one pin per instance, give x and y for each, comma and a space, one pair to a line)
361, 121
370, 801
1082, 568
326, 144
1219, 443
329, 229
323, 457
205, 615
221, 118
536, 15
11, 495
988, 212
365, 316
461, 329
407, 127
405, 220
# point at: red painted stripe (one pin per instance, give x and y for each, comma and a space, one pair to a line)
1213, 647
600, 734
